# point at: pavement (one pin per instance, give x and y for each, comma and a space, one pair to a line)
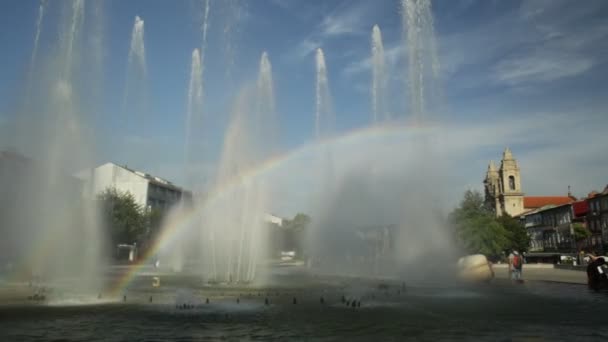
543, 272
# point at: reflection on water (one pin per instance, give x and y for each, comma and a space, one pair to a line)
500, 311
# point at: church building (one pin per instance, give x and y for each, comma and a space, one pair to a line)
503, 193
503, 186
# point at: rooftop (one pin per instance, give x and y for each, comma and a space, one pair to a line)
149, 177
532, 202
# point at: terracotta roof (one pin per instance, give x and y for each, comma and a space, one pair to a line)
541, 201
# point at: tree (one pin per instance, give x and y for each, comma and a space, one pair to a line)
123, 217
477, 230
519, 239
296, 231
299, 222
154, 219
580, 233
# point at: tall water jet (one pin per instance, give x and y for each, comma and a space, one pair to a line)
75, 27
266, 116
323, 106
41, 8
177, 251
378, 88
377, 217
228, 235
58, 237
423, 64
234, 11
136, 68
195, 102
137, 51
205, 28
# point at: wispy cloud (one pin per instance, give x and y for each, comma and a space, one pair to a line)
561, 41
392, 55
305, 48
542, 66
346, 19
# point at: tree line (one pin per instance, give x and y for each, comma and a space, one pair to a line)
479, 231
125, 220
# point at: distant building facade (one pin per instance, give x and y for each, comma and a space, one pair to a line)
150, 192
597, 217
550, 228
274, 219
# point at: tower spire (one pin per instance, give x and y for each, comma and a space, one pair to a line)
507, 155
491, 166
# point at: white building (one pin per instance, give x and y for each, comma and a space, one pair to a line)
273, 219
149, 191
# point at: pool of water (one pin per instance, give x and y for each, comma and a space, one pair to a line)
535, 311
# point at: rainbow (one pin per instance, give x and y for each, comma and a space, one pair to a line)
266, 168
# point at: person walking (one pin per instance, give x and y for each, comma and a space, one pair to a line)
515, 266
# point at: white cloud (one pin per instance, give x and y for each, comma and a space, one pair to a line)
305, 48
340, 22
392, 55
343, 22
561, 42
543, 66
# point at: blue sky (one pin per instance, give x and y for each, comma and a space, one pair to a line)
527, 74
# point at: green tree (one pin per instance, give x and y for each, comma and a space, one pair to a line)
296, 232
123, 217
580, 234
477, 230
518, 234
299, 222
154, 219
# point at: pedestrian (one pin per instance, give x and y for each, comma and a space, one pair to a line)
515, 266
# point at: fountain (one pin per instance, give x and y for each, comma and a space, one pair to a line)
230, 229
323, 106
135, 84
194, 107
375, 220
225, 242
233, 225
57, 237
30, 73
205, 27
423, 64
375, 215
378, 88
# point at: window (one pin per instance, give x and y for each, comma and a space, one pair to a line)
511, 183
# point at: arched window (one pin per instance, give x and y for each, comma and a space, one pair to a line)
511, 183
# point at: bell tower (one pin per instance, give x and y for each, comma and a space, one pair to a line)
492, 188
511, 197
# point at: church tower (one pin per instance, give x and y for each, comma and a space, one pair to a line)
503, 193
491, 186
511, 197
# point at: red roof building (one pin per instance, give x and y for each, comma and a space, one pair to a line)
534, 202
580, 208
